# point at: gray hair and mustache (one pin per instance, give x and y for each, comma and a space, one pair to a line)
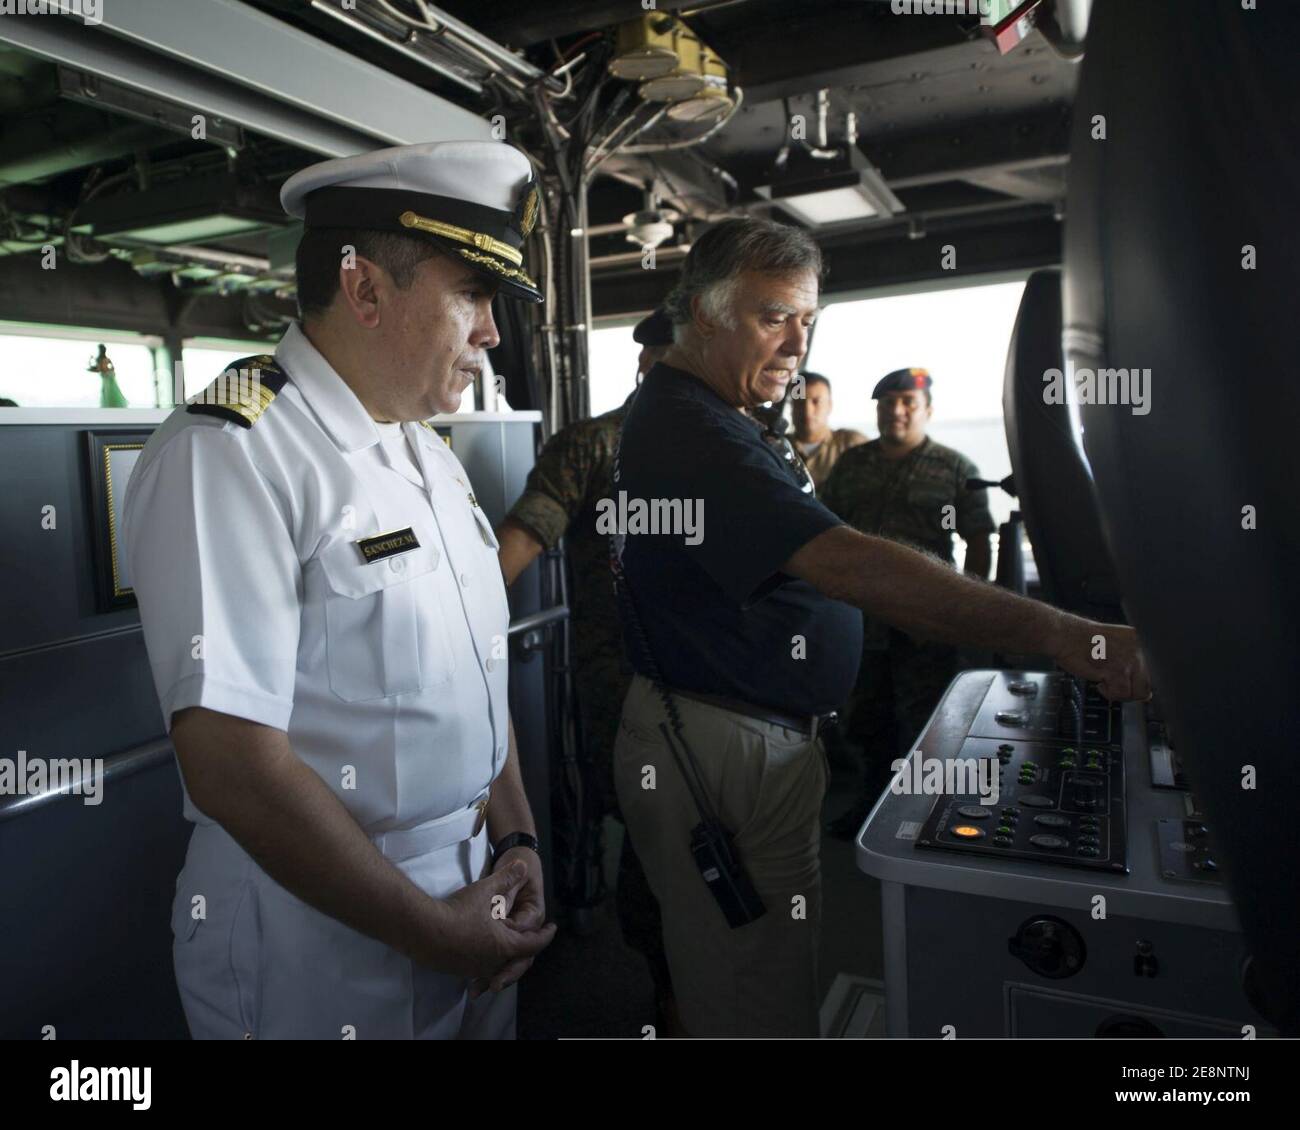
727, 250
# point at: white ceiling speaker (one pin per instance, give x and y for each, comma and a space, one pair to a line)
651, 226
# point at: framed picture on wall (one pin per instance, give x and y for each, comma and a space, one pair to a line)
113, 456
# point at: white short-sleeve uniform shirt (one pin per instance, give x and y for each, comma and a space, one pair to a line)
256, 600
388, 676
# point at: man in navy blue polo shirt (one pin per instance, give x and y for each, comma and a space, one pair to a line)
745, 603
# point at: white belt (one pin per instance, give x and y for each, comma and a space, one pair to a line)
407, 843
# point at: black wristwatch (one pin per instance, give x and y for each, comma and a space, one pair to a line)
515, 839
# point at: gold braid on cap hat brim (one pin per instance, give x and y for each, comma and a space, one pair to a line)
499, 267
479, 239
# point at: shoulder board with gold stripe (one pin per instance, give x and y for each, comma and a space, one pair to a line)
242, 393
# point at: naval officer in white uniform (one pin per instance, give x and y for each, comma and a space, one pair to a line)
326, 624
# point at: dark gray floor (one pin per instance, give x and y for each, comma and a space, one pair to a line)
592, 985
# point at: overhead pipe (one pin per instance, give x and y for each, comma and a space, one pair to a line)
510, 64
628, 258
360, 25
505, 59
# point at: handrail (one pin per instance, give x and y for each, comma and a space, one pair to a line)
116, 766
152, 754
537, 620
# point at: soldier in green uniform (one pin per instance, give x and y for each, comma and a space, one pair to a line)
819, 444
572, 474
906, 487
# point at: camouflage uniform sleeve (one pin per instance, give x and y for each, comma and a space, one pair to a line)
973, 517
556, 487
832, 492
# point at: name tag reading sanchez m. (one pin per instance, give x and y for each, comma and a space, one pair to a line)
387, 545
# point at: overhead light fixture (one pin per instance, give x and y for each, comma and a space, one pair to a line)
829, 205
92, 90
195, 209
849, 191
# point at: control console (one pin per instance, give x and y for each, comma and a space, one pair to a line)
1051, 786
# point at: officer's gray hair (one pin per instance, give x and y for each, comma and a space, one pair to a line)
723, 253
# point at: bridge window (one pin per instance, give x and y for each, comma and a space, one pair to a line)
61, 367
611, 357
961, 334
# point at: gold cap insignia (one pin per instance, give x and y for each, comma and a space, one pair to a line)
531, 206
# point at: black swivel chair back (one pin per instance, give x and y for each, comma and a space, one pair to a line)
1057, 500
1182, 256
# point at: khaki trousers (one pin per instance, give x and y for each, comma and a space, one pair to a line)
766, 784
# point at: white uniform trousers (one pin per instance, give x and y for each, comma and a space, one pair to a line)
262, 964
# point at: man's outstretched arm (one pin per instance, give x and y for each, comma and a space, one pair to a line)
925, 597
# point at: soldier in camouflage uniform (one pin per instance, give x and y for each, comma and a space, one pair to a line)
819, 444
908, 488
571, 475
